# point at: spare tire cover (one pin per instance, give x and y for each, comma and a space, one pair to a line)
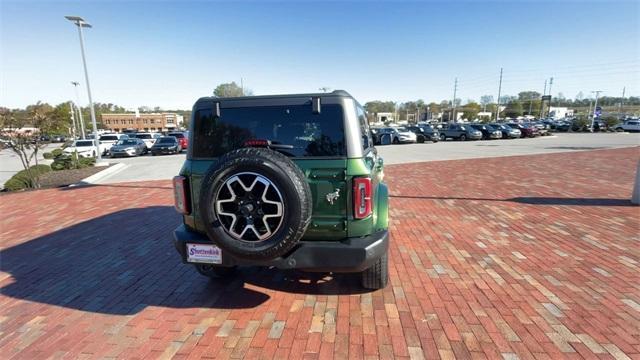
255, 203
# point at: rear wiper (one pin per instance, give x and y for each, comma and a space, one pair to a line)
269, 144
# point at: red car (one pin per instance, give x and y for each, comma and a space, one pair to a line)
526, 130
183, 140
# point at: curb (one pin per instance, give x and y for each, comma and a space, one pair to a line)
100, 175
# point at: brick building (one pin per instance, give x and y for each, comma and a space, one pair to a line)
158, 122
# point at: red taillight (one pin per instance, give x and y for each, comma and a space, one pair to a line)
180, 188
256, 143
361, 197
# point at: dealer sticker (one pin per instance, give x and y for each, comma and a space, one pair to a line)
204, 253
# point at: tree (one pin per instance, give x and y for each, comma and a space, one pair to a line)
485, 100
528, 95
470, 110
24, 142
513, 109
579, 96
230, 90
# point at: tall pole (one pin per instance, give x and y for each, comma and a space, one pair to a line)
550, 99
595, 107
79, 109
544, 92
242, 86
499, 92
622, 102
453, 102
80, 24
73, 119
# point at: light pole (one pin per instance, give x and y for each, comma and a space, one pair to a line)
80, 119
80, 23
73, 119
595, 107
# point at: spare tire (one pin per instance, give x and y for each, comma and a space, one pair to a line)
255, 203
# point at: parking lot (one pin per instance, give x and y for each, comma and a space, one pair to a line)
165, 167
523, 257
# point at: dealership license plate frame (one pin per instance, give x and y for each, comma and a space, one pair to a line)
203, 254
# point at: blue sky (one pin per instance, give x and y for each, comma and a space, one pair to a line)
168, 54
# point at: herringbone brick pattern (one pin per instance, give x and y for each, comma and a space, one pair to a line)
518, 257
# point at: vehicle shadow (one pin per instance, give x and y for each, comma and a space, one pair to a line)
122, 262
83, 185
119, 264
532, 200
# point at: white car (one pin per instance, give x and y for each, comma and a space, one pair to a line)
404, 136
85, 148
148, 138
628, 125
108, 140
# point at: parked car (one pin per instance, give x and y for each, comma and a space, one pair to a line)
148, 138
396, 135
526, 130
166, 145
628, 125
45, 138
460, 132
128, 147
277, 198
488, 131
542, 128
58, 138
507, 131
425, 133
108, 140
183, 139
85, 148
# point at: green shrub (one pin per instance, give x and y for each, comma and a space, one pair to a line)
21, 179
70, 162
47, 155
56, 153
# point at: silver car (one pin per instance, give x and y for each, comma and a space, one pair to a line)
128, 147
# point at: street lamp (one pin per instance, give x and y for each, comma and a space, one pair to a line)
79, 107
81, 23
595, 107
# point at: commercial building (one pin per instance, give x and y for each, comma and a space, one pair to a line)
157, 122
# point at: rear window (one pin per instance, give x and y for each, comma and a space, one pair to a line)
109, 138
177, 135
143, 136
84, 143
167, 140
309, 134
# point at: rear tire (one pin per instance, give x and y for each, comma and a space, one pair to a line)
443, 137
463, 137
215, 272
377, 276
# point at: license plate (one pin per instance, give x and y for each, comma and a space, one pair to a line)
204, 253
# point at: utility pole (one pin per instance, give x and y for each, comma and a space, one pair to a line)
499, 93
453, 103
544, 92
622, 102
550, 99
79, 108
242, 86
595, 107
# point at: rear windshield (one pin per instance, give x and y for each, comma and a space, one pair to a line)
127, 142
143, 136
84, 143
166, 140
308, 134
177, 135
109, 138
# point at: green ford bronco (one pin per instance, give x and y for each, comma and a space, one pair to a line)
290, 181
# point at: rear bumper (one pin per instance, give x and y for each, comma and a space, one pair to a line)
348, 255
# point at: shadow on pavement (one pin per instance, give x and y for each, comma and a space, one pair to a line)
122, 262
82, 185
532, 200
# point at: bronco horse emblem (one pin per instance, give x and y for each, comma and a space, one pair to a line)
333, 196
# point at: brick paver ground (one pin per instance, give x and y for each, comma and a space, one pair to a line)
520, 257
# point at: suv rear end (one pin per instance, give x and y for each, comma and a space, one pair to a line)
326, 138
